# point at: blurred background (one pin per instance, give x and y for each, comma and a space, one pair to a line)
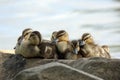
101, 18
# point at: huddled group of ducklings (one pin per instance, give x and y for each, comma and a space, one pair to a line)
30, 44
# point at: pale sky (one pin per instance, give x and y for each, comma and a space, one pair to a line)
75, 16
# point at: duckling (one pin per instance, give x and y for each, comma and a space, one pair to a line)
48, 50
29, 45
64, 47
24, 33
76, 50
89, 48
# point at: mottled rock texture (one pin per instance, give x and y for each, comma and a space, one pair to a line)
12, 65
54, 71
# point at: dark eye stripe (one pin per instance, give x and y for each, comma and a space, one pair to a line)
60, 34
27, 34
86, 38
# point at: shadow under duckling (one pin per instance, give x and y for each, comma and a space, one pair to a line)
63, 45
29, 45
88, 48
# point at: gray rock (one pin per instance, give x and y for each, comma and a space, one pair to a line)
108, 69
54, 71
3, 57
12, 64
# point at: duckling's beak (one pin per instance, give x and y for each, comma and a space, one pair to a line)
75, 51
55, 41
81, 43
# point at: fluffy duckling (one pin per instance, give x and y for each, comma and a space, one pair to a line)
24, 33
29, 45
76, 50
63, 45
88, 47
48, 50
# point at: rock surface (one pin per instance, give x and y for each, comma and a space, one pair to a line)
12, 64
54, 71
108, 69
3, 57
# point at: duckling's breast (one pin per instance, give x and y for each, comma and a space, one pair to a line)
62, 46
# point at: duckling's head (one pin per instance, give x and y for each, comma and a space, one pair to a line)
75, 45
53, 37
26, 32
34, 38
62, 35
87, 38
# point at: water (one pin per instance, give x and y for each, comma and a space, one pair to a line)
101, 18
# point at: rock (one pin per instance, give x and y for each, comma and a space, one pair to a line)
11, 64
54, 71
108, 69
3, 57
